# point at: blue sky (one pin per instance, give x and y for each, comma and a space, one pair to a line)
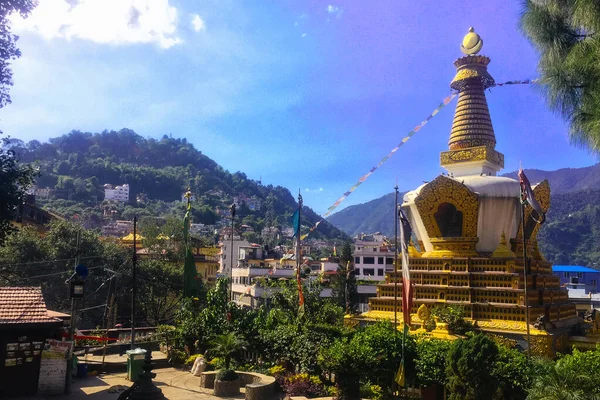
307, 95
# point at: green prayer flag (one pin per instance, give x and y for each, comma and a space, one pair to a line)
191, 281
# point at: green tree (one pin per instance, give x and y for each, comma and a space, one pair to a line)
565, 34
469, 369
345, 292
226, 346
430, 362
160, 290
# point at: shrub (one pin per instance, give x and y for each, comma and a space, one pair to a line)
226, 375
303, 385
177, 357
276, 370
454, 316
192, 359
217, 363
373, 392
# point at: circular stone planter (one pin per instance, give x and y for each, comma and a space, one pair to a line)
227, 388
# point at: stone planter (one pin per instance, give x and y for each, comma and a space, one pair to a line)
227, 388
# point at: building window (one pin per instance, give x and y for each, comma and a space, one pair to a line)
368, 260
379, 272
380, 260
389, 261
566, 275
356, 260
580, 274
593, 282
374, 249
369, 271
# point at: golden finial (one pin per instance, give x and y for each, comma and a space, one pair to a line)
503, 251
472, 43
188, 194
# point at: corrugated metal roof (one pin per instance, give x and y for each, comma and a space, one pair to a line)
23, 305
572, 268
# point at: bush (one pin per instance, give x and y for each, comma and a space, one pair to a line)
369, 391
177, 357
303, 385
217, 363
192, 359
226, 375
454, 316
276, 370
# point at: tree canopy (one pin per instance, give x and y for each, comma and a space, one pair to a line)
565, 34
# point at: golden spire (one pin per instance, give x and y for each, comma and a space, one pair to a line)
503, 251
472, 128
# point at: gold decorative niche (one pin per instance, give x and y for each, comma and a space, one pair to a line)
441, 204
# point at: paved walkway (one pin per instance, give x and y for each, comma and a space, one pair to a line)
175, 385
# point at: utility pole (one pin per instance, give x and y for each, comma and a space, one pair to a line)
232, 211
133, 281
74, 303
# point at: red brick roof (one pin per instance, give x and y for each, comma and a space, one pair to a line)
23, 305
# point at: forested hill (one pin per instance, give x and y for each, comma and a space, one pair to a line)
158, 171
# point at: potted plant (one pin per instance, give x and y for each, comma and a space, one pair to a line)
227, 382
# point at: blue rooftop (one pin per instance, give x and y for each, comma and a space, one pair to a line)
572, 268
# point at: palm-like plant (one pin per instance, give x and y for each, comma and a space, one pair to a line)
561, 380
567, 35
226, 345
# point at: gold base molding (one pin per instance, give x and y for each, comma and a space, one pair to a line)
452, 247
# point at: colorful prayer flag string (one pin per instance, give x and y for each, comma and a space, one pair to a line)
363, 178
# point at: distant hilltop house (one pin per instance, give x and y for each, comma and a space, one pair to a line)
253, 202
116, 193
43, 193
202, 229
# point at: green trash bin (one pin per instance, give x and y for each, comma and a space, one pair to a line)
135, 363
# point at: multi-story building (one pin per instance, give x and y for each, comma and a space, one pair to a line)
116, 193
583, 285
255, 279
373, 256
225, 261
586, 278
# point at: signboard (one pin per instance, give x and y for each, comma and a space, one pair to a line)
57, 349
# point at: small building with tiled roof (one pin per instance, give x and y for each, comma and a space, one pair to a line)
24, 327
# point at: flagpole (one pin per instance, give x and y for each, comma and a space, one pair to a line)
298, 234
525, 270
396, 259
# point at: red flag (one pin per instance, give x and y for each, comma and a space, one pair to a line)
528, 198
405, 233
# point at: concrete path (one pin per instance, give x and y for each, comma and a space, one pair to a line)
175, 385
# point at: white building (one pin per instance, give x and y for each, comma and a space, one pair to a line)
255, 280
373, 256
116, 193
225, 253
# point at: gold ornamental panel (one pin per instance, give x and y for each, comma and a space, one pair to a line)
447, 190
479, 153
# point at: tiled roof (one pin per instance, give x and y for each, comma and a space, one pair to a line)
572, 268
23, 305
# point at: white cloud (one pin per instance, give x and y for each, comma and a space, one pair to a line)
197, 23
104, 21
335, 10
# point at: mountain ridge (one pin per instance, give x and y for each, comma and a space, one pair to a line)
575, 201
